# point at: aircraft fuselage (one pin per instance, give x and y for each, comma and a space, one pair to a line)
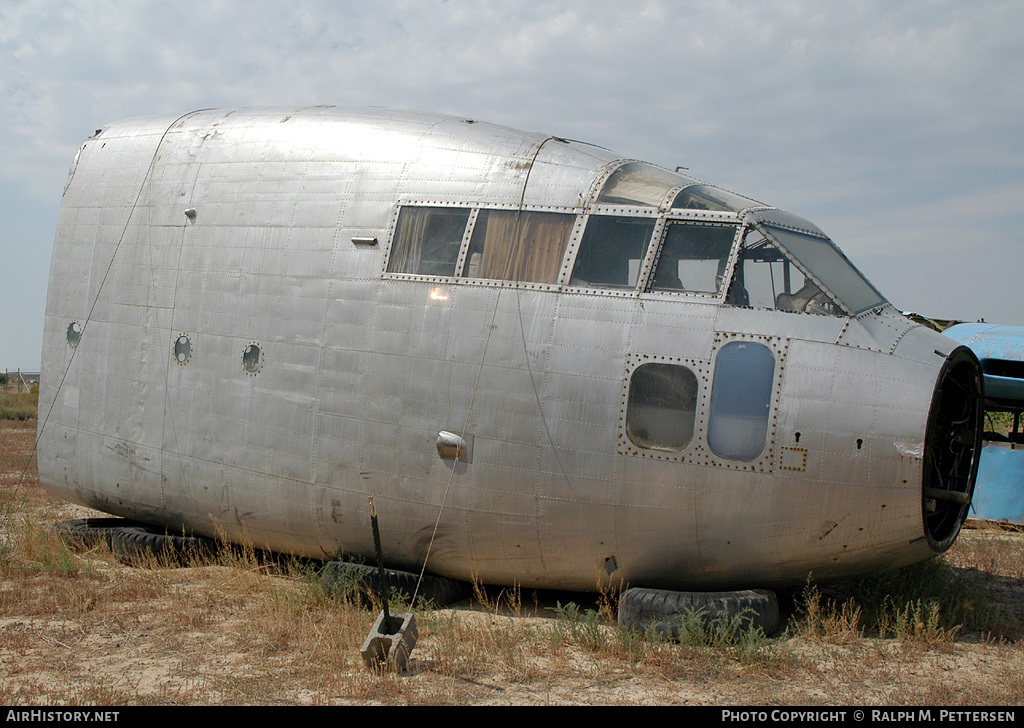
258, 318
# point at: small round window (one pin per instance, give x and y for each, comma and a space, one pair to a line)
182, 350
251, 359
74, 333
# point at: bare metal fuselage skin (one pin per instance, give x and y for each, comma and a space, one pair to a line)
232, 348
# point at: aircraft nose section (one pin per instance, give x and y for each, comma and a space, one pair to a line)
952, 447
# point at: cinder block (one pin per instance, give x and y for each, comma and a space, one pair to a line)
382, 651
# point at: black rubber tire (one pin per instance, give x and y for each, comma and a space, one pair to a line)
141, 542
86, 533
361, 582
662, 609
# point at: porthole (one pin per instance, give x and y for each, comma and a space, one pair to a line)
251, 360
74, 333
182, 350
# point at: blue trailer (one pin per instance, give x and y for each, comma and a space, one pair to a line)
999, 491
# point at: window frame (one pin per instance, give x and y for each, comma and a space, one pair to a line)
695, 449
724, 220
632, 407
462, 260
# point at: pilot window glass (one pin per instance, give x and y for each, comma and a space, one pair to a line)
740, 400
427, 240
611, 251
518, 245
662, 407
693, 258
765, 277
705, 197
830, 266
636, 183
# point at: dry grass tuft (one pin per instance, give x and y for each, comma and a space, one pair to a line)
825, 620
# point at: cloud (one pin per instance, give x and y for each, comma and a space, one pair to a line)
876, 118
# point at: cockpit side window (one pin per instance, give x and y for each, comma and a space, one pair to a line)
427, 240
515, 245
612, 251
765, 277
662, 407
693, 257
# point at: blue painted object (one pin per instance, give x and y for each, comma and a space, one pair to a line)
999, 491
1001, 352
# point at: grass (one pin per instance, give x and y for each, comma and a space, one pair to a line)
19, 406
998, 421
929, 602
79, 628
239, 629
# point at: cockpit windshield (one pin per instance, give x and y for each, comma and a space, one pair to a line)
824, 260
790, 269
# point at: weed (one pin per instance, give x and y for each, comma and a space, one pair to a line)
579, 627
509, 599
929, 589
730, 633
827, 621
915, 621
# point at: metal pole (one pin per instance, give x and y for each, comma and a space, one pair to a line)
387, 625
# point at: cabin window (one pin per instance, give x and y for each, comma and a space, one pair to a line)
612, 251
705, 197
765, 277
636, 183
662, 406
516, 245
740, 400
427, 240
693, 258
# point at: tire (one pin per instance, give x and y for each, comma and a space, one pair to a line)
664, 610
87, 533
138, 542
360, 582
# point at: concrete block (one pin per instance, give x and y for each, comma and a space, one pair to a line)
382, 651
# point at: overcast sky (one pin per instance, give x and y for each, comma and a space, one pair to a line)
898, 128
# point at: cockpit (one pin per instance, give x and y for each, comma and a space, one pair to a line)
645, 231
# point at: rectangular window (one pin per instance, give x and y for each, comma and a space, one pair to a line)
662, 407
693, 258
612, 251
515, 245
427, 240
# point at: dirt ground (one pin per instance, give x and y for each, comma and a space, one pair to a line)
83, 629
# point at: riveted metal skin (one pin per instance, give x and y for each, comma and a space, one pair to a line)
272, 228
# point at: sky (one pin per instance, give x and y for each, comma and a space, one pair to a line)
898, 128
